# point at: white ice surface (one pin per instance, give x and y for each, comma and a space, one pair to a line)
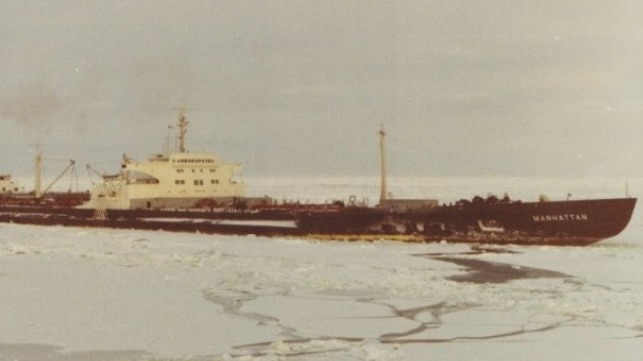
150, 295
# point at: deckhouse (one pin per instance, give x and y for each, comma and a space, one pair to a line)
170, 180
8, 185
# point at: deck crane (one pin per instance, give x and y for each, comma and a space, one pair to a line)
40, 193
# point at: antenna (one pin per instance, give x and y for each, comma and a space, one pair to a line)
167, 140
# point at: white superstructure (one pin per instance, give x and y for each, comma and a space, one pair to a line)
174, 179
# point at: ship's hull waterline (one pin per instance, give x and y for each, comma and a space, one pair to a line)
565, 223
580, 222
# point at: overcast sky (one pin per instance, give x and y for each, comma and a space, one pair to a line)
494, 87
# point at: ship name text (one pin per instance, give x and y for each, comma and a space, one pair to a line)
560, 217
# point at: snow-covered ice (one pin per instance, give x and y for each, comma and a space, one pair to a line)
100, 294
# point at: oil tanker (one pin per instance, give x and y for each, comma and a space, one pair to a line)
183, 191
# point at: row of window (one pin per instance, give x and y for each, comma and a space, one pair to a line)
182, 170
197, 182
193, 160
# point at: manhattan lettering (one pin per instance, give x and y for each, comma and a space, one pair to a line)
560, 217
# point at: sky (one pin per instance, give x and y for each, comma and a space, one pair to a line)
462, 87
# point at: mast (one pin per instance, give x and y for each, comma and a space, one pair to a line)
38, 173
167, 140
383, 191
183, 124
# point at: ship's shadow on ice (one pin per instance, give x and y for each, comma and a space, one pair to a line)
493, 272
480, 271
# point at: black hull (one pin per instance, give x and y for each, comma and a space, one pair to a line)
556, 223
542, 223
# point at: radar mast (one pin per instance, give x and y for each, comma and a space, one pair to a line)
183, 124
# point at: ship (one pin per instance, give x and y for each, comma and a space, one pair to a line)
490, 219
183, 191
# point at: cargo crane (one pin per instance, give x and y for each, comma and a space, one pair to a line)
71, 166
64, 199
